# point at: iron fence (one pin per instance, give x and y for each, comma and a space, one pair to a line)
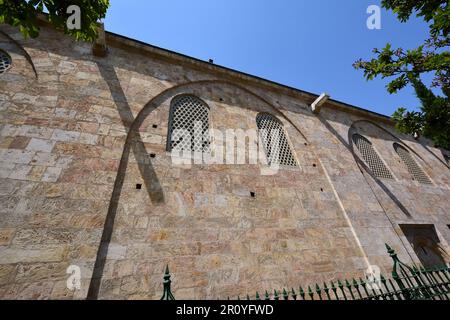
405, 283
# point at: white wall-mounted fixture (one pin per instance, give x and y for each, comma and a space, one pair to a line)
317, 105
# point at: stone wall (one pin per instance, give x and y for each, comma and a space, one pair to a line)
77, 136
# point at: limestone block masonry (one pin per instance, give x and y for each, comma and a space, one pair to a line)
78, 133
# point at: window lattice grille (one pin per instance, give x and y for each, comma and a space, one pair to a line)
5, 61
413, 168
192, 115
275, 141
371, 158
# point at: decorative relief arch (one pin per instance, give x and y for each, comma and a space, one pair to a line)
152, 182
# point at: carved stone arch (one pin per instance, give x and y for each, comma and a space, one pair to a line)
353, 129
153, 188
45, 76
424, 178
364, 168
178, 89
21, 49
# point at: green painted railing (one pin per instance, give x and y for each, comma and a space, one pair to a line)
405, 283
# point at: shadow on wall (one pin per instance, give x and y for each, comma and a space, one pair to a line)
425, 143
425, 243
22, 50
133, 143
444, 156
361, 164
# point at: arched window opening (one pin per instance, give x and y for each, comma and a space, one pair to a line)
188, 125
5, 61
413, 168
371, 157
275, 142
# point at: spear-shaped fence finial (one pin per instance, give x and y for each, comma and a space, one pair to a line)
167, 294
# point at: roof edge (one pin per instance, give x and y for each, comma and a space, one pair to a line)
166, 54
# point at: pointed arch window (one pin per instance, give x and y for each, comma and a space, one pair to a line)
371, 157
275, 141
5, 61
414, 169
188, 124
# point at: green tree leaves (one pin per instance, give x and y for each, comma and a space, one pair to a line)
23, 14
407, 66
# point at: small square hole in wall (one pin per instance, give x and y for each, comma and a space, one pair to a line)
138, 186
314, 165
155, 126
152, 155
252, 194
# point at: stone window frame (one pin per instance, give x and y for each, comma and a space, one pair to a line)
380, 170
172, 110
294, 164
4, 54
412, 165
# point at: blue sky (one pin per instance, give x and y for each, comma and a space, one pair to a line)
309, 45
